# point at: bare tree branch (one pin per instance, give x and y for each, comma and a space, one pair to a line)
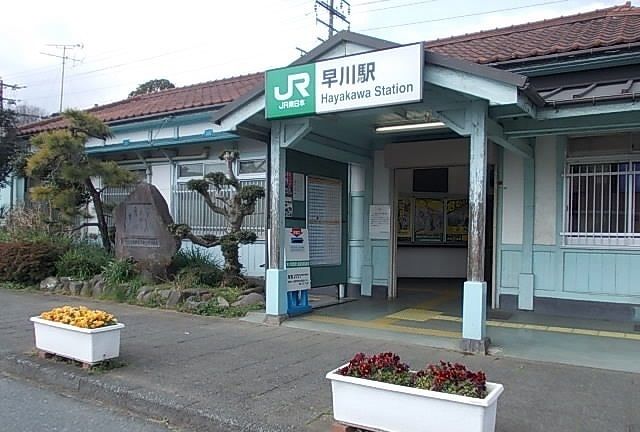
84, 225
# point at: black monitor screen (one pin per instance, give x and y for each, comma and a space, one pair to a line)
431, 180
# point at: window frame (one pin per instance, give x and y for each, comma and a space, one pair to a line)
629, 236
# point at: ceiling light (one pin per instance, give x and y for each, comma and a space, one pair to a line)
411, 127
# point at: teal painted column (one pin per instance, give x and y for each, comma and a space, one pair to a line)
276, 277
474, 307
526, 277
366, 285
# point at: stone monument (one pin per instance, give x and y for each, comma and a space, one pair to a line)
141, 222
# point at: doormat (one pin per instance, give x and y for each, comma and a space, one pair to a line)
499, 315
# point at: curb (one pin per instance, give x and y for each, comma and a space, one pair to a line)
134, 399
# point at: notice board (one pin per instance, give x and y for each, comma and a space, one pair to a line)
324, 221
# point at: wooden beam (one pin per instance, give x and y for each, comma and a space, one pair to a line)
495, 133
477, 191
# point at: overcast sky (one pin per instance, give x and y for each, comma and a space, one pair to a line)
129, 42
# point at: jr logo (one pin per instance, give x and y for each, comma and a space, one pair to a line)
300, 81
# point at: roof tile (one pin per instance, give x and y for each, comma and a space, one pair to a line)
612, 26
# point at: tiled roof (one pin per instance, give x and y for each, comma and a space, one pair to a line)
618, 25
195, 96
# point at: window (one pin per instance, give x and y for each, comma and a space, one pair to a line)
602, 204
190, 170
254, 166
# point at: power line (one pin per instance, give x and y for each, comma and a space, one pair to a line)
399, 6
464, 16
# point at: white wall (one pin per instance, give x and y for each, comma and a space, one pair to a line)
161, 177
512, 198
545, 191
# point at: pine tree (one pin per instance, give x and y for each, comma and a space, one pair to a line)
233, 201
67, 175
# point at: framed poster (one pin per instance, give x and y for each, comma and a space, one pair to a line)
457, 220
405, 218
428, 220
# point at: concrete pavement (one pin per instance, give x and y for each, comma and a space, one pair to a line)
227, 375
26, 407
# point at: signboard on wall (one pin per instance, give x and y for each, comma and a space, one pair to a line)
324, 221
372, 79
297, 259
404, 219
457, 220
379, 222
428, 220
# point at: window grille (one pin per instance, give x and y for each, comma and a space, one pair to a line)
189, 208
601, 203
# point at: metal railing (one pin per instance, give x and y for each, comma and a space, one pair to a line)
600, 206
189, 208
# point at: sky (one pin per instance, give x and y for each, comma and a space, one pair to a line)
125, 43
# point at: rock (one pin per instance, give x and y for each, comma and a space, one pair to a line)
164, 293
50, 283
222, 301
192, 304
143, 291
173, 299
206, 297
96, 279
249, 299
148, 296
85, 290
75, 287
98, 288
141, 222
64, 281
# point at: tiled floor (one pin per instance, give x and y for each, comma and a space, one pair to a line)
429, 311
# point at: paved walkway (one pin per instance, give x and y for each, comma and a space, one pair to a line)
228, 375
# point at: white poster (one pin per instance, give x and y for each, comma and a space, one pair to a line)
297, 247
380, 222
298, 187
324, 220
298, 278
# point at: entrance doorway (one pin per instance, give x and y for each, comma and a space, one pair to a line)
431, 232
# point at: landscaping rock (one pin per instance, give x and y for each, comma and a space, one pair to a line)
173, 299
148, 296
85, 291
249, 299
164, 294
222, 302
192, 304
50, 283
96, 279
206, 297
255, 282
64, 281
98, 288
75, 287
143, 291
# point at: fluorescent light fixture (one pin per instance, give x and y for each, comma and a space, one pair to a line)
411, 127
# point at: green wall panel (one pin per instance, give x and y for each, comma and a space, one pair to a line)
306, 164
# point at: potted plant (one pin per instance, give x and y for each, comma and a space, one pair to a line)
381, 393
78, 333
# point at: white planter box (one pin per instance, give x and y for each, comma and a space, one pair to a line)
392, 408
85, 345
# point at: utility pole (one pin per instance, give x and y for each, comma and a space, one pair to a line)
340, 9
3, 85
64, 57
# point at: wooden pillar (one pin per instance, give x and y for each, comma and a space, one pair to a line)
276, 278
526, 277
474, 306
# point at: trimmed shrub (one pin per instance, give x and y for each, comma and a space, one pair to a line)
83, 261
197, 265
27, 262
